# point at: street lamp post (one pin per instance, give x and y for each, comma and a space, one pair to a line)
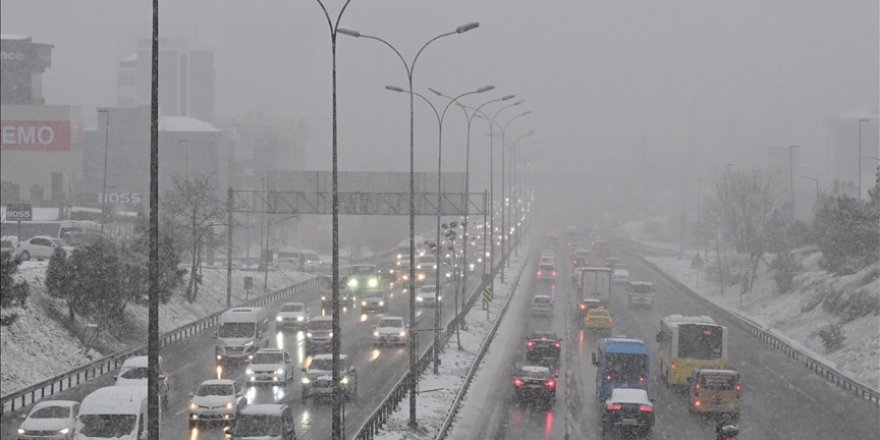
104, 185
859, 174
492, 191
410, 67
791, 176
337, 428
467, 174
515, 185
504, 199
440, 118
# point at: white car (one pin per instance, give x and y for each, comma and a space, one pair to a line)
8, 243
271, 366
425, 296
41, 247
134, 372
292, 315
390, 330
49, 419
216, 400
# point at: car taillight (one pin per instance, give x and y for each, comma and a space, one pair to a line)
530, 344
518, 382
551, 384
738, 388
583, 307
697, 386
558, 345
554, 273
646, 408
697, 404
673, 365
641, 378
608, 377
539, 273
614, 407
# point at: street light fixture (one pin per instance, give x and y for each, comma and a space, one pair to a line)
410, 67
440, 118
467, 174
104, 185
336, 424
504, 210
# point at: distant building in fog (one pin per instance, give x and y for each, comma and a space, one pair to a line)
186, 76
844, 147
40, 145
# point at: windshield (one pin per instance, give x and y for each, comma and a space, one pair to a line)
625, 367
252, 425
718, 382
237, 330
321, 364
58, 242
268, 358
546, 267
543, 335
390, 323
51, 412
106, 425
292, 308
215, 390
320, 325
535, 374
541, 300
135, 373
641, 288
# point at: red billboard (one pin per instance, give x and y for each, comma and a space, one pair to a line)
35, 135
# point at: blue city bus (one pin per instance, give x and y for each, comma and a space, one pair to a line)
620, 363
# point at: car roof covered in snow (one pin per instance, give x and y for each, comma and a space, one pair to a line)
116, 399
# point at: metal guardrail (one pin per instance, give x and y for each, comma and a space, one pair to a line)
456, 403
24, 397
821, 368
370, 428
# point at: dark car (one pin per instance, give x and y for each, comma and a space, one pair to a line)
543, 346
319, 335
317, 379
535, 384
628, 409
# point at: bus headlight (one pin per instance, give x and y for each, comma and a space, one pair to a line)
353, 283
372, 283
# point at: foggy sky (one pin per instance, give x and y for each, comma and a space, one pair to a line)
674, 82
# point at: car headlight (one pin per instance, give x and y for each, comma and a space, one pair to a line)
402, 333
249, 372
376, 334
305, 380
419, 299
308, 334
193, 406
421, 276
21, 431
279, 372
249, 343
323, 298
352, 283
228, 405
363, 303
278, 318
439, 297
373, 283
344, 380
381, 303
300, 318
64, 431
330, 335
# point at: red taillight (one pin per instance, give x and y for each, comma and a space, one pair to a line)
554, 273
646, 408
518, 382
539, 273
608, 377
550, 384
530, 344
673, 365
558, 345
583, 307
697, 404
614, 407
738, 388
697, 386
641, 378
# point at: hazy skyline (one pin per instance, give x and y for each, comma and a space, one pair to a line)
602, 78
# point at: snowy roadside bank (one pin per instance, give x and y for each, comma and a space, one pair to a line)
41, 344
796, 316
438, 391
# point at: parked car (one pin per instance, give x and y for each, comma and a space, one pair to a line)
216, 400
49, 420
41, 247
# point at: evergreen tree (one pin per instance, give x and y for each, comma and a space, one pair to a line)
12, 293
58, 278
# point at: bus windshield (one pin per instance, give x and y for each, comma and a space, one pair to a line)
697, 341
236, 330
626, 367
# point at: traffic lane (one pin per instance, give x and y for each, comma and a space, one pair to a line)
781, 398
527, 421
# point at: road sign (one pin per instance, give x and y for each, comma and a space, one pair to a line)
487, 295
19, 212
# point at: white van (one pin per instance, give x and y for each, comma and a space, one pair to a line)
114, 412
620, 280
243, 331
